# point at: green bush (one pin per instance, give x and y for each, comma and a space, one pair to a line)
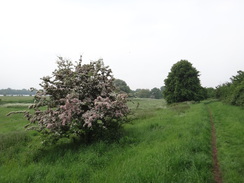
232, 92
238, 95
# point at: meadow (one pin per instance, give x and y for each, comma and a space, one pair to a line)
161, 144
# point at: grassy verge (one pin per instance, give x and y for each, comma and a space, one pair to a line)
229, 124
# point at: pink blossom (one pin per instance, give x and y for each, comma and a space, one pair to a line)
49, 125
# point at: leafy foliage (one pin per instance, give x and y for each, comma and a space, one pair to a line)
156, 93
211, 92
122, 86
78, 101
183, 84
142, 93
232, 92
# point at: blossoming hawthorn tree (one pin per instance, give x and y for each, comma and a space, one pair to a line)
78, 101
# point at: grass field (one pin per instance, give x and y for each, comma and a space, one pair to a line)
161, 144
16, 99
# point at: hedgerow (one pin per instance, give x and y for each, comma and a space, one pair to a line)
232, 92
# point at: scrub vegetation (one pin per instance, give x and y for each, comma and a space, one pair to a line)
232, 92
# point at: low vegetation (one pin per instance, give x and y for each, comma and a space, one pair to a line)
229, 124
11, 100
161, 144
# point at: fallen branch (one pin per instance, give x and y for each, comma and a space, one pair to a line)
15, 112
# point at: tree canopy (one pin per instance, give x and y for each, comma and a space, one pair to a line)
156, 93
182, 83
232, 92
121, 86
142, 93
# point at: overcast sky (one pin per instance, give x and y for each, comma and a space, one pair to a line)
139, 40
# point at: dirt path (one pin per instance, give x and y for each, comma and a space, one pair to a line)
216, 168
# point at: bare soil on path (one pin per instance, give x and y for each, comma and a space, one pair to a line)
216, 167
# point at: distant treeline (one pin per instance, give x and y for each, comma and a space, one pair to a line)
121, 86
155, 93
22, 92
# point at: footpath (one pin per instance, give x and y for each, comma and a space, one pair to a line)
216, 167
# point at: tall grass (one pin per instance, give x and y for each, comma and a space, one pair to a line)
229, 124
166, 148
160, 145
14, 122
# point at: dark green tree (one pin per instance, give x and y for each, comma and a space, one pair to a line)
211, 92
237, 97
121, 86
239, 78
223, 92
232, 92
182, 83
142, 93
156, 93
162, 88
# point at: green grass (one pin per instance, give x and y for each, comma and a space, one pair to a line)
162, 149
229, 124
16, 99
145, 108
159, 145
13, 123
